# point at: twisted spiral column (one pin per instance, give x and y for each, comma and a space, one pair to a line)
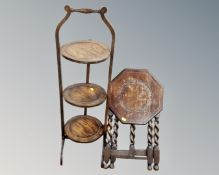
115, 131
114, 139
109, 129
132, 141
108, 140
132, 135
156, 143
150, 138
156, 131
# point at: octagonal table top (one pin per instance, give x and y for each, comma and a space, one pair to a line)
135, 96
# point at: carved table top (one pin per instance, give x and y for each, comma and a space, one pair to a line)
135, 96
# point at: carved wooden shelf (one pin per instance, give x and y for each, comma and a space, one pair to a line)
83, 129
87, 52
84, 95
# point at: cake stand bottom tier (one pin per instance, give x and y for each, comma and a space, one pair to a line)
83, 129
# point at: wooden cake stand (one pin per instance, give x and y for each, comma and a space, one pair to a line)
83, 128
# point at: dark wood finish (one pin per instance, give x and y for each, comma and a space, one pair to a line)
88, 73
83, 129
61, 153
84, 95
107, 150
113, 35
59, 66
135, 96
156, 158
69, 11
85, 52
87, 81
150, 157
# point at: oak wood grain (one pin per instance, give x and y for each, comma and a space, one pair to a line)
83, 129
84, 95
85, 52
135, 96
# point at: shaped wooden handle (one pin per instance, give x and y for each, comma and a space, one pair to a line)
85, 10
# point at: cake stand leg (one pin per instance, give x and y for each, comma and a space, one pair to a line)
61, 154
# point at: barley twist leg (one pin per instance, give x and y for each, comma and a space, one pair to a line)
156, 143
114, 139
150, 138
108, 141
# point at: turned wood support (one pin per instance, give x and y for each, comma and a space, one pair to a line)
150, 138
132, 140
156, 143
114, 140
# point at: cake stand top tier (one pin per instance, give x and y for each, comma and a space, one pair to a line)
87, 52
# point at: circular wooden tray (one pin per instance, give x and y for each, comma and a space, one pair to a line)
85, 52
84, 95
83, 129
